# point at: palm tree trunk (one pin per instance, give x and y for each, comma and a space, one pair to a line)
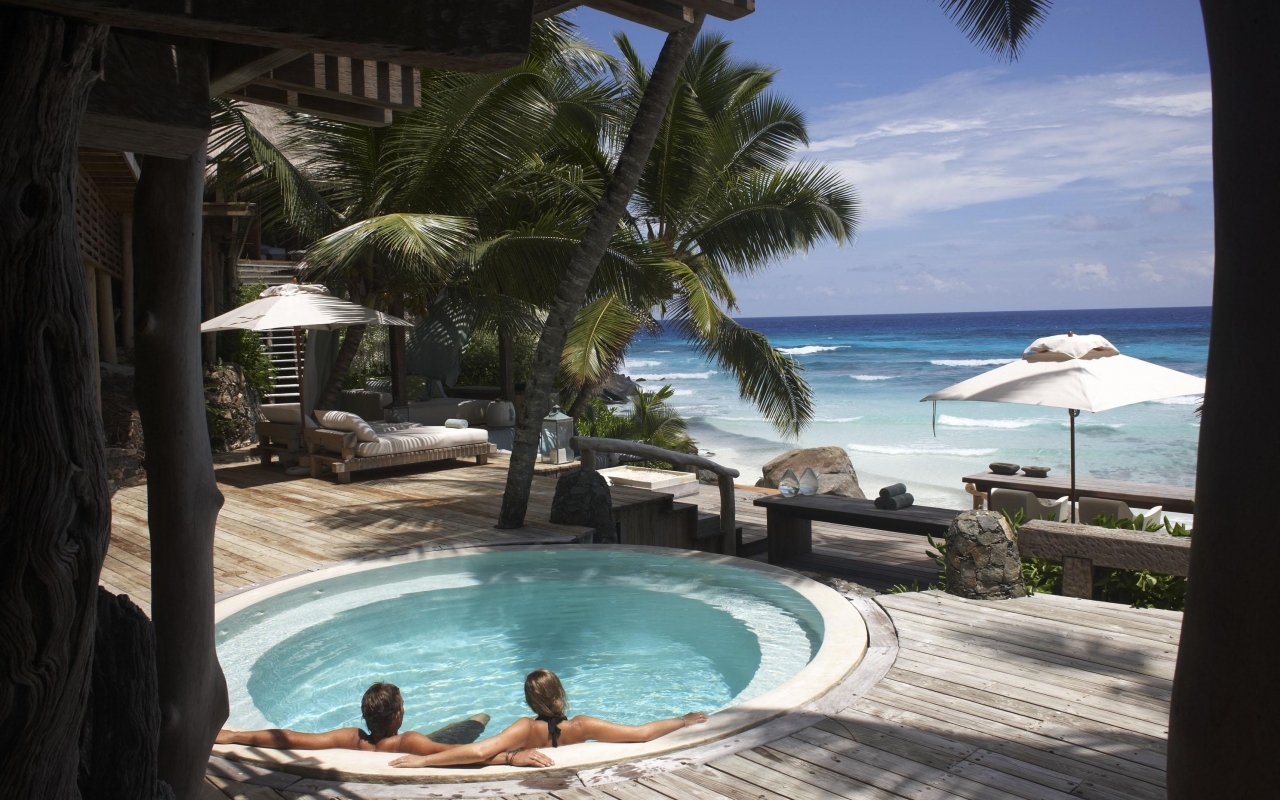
341, 366
55, 511
396, 357
582, 267
1222, 716
589, 390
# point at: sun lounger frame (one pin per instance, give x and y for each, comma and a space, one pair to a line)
338, 450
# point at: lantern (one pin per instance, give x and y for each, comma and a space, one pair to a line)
557, 428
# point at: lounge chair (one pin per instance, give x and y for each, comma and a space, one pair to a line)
1032, 507
348, 444
280, 434
1093, 507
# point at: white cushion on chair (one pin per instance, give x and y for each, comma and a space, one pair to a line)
286, 413
345, 421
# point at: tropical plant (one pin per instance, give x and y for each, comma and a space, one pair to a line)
245, 348
649, 421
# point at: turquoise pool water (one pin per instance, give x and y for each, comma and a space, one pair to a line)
634, 636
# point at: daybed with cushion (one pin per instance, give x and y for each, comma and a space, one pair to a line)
347, 444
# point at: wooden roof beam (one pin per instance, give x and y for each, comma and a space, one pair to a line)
465, 35
647, 13
234, 65
350, 80
661, 14
724, 9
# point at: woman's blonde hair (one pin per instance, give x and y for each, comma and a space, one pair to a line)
545, 694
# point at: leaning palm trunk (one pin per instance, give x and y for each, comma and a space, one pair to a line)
582, 266
341, 366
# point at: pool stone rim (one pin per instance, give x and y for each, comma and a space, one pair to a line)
843, 648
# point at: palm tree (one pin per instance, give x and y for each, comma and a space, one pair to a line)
395, 214
720, 197
997, 25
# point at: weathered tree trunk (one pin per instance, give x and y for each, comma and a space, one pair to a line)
55, 511
507, 366
589, 390
1223, 713
396, 357
182, 498
122, 727
346, 354
582, 267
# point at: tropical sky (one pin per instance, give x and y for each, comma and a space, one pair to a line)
1079, 176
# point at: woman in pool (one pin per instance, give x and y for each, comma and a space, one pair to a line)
517, 745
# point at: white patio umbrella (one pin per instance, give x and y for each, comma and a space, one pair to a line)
298, 306
1076, 373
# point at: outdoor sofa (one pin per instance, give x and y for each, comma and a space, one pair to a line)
347, 444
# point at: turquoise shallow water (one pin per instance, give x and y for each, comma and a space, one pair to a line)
868, 374
634, 637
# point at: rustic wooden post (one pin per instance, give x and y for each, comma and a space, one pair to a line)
55, 512
1223, 711
106, 318
1077, 577
126, 285
728, 515
182, 498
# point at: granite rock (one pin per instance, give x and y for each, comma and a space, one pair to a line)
582, 498
832, 465
982, 557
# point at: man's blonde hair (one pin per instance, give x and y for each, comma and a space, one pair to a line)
545, 694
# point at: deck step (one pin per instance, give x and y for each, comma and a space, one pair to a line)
754, 548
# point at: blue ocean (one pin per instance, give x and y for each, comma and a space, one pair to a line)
868, 374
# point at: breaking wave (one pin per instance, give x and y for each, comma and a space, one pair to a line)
674, 376
970, 362
1184, 400
873, 377
896, 450
966, 422
810, 349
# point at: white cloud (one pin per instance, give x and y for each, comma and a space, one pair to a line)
1164, 203
1092, 222
978, 137
1082, 276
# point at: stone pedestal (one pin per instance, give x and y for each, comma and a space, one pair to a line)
582, 498
982, 558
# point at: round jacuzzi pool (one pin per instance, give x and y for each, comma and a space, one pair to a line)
635, 634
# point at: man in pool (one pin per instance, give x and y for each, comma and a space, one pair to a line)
383, 710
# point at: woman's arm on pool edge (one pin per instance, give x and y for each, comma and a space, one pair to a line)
486, 751
281, 739
604, 731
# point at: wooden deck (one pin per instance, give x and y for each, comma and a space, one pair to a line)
1044, 697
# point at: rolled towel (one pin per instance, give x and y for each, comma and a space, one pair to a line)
890, 491
895, 503
455, 423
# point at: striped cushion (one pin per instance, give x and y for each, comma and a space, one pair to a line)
344, 421
413, 440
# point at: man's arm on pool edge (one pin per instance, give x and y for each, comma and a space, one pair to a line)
282, 739
417, 744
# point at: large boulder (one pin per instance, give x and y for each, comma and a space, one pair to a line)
982, 557
831, 464
582, 498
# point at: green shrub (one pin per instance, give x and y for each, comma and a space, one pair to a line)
480, 362
245, 347
650, 421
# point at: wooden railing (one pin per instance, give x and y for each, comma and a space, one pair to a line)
1080, 548
588, 447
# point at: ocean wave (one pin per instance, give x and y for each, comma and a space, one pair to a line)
681, 392
896, 450
1184, 400
1110, 425
674, 376
810, 349
637, 364
970, 362
740, 419
966, 422
873, 377
662, 351
836, 419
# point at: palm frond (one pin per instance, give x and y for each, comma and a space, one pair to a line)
768, 378
403, 250
599, 338
1000, 27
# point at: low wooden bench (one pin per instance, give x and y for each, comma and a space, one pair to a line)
338, 450
790, 520
280, 439
1080, 548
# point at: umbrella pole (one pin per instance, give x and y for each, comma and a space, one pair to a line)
1073, 413
297, 358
